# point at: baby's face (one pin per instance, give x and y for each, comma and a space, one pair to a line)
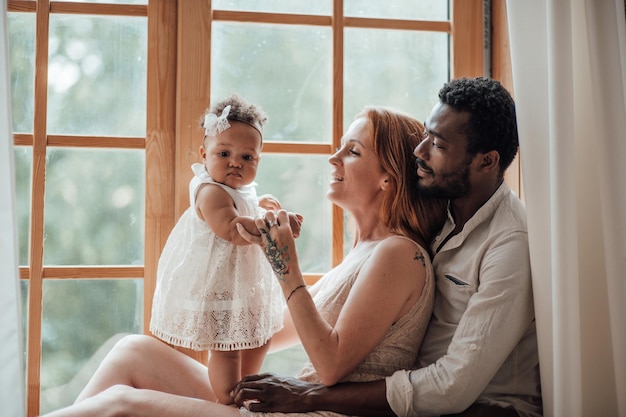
232, 157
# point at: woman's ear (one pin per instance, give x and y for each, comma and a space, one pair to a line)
202, 152
385, 183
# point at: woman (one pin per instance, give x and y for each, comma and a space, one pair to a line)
363, 320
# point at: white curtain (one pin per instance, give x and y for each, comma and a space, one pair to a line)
569, 74
11, 350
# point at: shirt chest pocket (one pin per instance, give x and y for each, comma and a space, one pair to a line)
455, 293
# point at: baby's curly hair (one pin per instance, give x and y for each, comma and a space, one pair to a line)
492, 124
241, 111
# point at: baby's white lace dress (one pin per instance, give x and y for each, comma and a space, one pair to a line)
210, 293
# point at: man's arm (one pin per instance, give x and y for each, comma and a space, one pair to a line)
269, 392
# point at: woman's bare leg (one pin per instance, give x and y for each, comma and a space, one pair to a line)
141, 361
124, 401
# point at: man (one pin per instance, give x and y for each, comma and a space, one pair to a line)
479, 356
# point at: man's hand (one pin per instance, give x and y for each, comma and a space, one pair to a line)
270, 392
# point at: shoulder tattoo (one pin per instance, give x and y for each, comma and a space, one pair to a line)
420, 257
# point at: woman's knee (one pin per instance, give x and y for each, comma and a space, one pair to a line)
132, 349
136, 343
118, 392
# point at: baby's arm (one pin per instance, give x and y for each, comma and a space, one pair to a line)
218, 210
295, 221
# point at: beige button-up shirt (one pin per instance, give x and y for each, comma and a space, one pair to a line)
481, 344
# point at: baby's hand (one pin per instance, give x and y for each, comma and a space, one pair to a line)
295, 222
269, 202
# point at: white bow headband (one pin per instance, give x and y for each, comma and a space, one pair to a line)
214, 124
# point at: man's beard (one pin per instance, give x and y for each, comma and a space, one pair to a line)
448, 186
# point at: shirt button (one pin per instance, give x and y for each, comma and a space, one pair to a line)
472, 346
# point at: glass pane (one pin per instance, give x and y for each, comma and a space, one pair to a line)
23, 163
97, 75
319, 7
82, 319
22, 66
408, 70
285, 69
94, 207
285, 362
398, 9
300, 183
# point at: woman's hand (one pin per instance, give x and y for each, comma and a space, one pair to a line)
276, 240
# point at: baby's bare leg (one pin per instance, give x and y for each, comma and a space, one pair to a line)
144, 362
226, 368
252, 360
224, 373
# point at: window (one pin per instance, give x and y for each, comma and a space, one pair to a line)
107, 98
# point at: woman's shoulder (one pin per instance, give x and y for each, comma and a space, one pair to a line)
396, 249
400, 242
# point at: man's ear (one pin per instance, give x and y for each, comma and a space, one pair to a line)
490, 161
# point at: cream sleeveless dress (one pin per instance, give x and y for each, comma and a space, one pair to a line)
212, 294
400, 346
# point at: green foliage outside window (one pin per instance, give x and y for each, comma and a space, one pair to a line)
94, 198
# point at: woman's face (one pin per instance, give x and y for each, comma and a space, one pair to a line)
357, 177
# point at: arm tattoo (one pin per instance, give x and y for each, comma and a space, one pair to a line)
278, 257
420, 257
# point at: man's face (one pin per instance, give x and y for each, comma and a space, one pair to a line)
442, 159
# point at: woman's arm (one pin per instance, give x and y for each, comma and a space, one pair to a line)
388, 285
288, 335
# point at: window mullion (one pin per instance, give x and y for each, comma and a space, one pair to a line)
160, 139
467, 53
35, 287
338, 56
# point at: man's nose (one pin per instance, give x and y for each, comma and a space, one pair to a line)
421, 149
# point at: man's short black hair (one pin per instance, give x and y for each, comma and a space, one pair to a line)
492, 124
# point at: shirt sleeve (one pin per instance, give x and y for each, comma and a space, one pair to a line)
497, 316
400, 393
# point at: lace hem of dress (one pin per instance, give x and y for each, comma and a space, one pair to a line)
225, 347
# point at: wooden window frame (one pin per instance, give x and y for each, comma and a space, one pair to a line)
178, 89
